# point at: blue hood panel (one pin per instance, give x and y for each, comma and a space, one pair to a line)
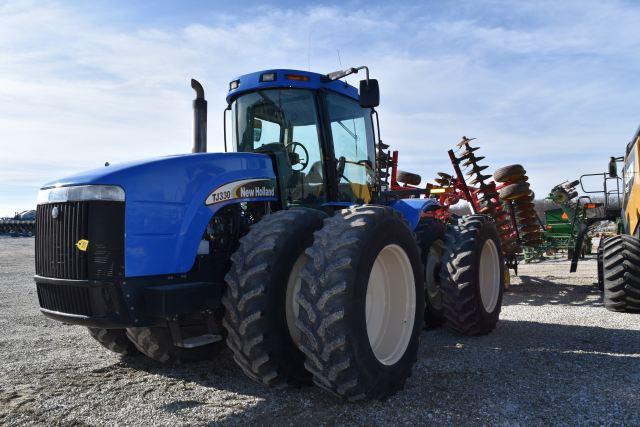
165, 211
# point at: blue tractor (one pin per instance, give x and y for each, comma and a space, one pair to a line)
290, 248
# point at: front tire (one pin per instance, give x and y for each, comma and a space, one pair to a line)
361, 303
621, 267
157, 344
114, 340
259, 302
472, 276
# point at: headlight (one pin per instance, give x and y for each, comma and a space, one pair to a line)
78, 193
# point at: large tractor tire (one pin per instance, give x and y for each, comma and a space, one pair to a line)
430, 236
621, 267
509, 173
472, 276
362, 303
260, 301
115, 340
157, 344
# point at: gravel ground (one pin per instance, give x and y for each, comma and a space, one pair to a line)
557, 357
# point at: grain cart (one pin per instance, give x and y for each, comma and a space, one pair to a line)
619, 258
292, 246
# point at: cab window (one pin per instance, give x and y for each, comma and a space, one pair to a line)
353, 145
284, 120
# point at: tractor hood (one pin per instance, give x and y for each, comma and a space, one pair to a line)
170, 200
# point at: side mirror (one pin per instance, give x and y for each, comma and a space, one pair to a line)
369, 93
613, 168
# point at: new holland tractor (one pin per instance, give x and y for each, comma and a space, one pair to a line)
292, 247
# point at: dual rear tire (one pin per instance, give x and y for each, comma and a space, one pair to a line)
337, 301
361, 303
472, 276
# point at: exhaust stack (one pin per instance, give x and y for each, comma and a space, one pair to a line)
199, 119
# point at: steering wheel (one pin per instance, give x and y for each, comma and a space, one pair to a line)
295, 159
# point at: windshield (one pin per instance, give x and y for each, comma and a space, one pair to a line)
283, 120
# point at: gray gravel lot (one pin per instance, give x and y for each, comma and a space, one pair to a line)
557, 357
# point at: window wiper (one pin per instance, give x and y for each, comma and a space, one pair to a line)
353, 135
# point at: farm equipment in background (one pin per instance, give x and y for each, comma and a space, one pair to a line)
619, 256
22, 224
296, 247
507, 199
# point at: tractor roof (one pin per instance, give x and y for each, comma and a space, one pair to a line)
283, 78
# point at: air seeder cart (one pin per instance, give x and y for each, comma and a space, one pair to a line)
619, 256
293, 246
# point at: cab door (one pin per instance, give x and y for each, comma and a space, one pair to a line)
351, 135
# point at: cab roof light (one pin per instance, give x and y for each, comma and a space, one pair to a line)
234, 85
268, 77
296, 77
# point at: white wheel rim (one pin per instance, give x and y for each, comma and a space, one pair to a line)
489, 276
432, 274
291, 303
390, 306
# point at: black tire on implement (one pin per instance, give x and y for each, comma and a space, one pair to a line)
408, 178
115, 340
156, 343
509, 173
465, 243
621, 267
333, 295
430, 237
259, 316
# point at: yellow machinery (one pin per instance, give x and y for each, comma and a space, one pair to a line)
619, 256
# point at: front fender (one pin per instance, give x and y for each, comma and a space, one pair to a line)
411, 209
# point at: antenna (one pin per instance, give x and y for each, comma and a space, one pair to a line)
340, 62
309, 51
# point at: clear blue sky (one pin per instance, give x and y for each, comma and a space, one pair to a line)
552, 85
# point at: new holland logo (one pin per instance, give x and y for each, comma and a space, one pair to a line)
82, 245
244, 189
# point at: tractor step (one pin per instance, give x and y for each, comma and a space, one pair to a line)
199, 341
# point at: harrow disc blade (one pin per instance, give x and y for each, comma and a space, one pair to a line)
468, 153
473, 160
476, 170
480, 179
464, 141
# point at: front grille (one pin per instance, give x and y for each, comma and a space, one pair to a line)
101, 223
56, 238
65, 298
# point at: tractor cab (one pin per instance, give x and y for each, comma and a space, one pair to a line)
315, 128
